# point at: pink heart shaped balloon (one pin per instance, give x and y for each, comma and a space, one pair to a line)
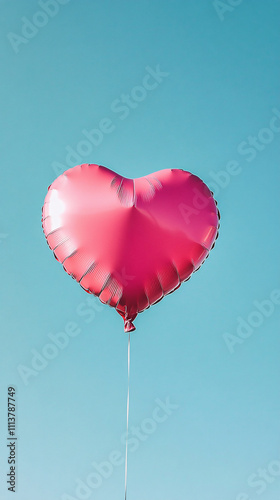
129, 241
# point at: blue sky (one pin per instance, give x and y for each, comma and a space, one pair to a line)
215, 111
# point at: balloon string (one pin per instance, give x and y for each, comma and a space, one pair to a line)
127, 415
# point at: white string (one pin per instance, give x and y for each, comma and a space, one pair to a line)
127, 414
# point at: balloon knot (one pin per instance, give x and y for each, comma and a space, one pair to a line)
128, 326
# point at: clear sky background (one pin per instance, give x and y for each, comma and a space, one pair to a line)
216, 113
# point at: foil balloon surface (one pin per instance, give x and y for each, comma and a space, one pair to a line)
130, 242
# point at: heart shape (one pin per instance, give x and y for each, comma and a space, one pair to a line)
129, 241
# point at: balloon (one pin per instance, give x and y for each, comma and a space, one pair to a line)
130, 242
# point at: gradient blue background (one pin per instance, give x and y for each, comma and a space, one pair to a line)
223, 83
